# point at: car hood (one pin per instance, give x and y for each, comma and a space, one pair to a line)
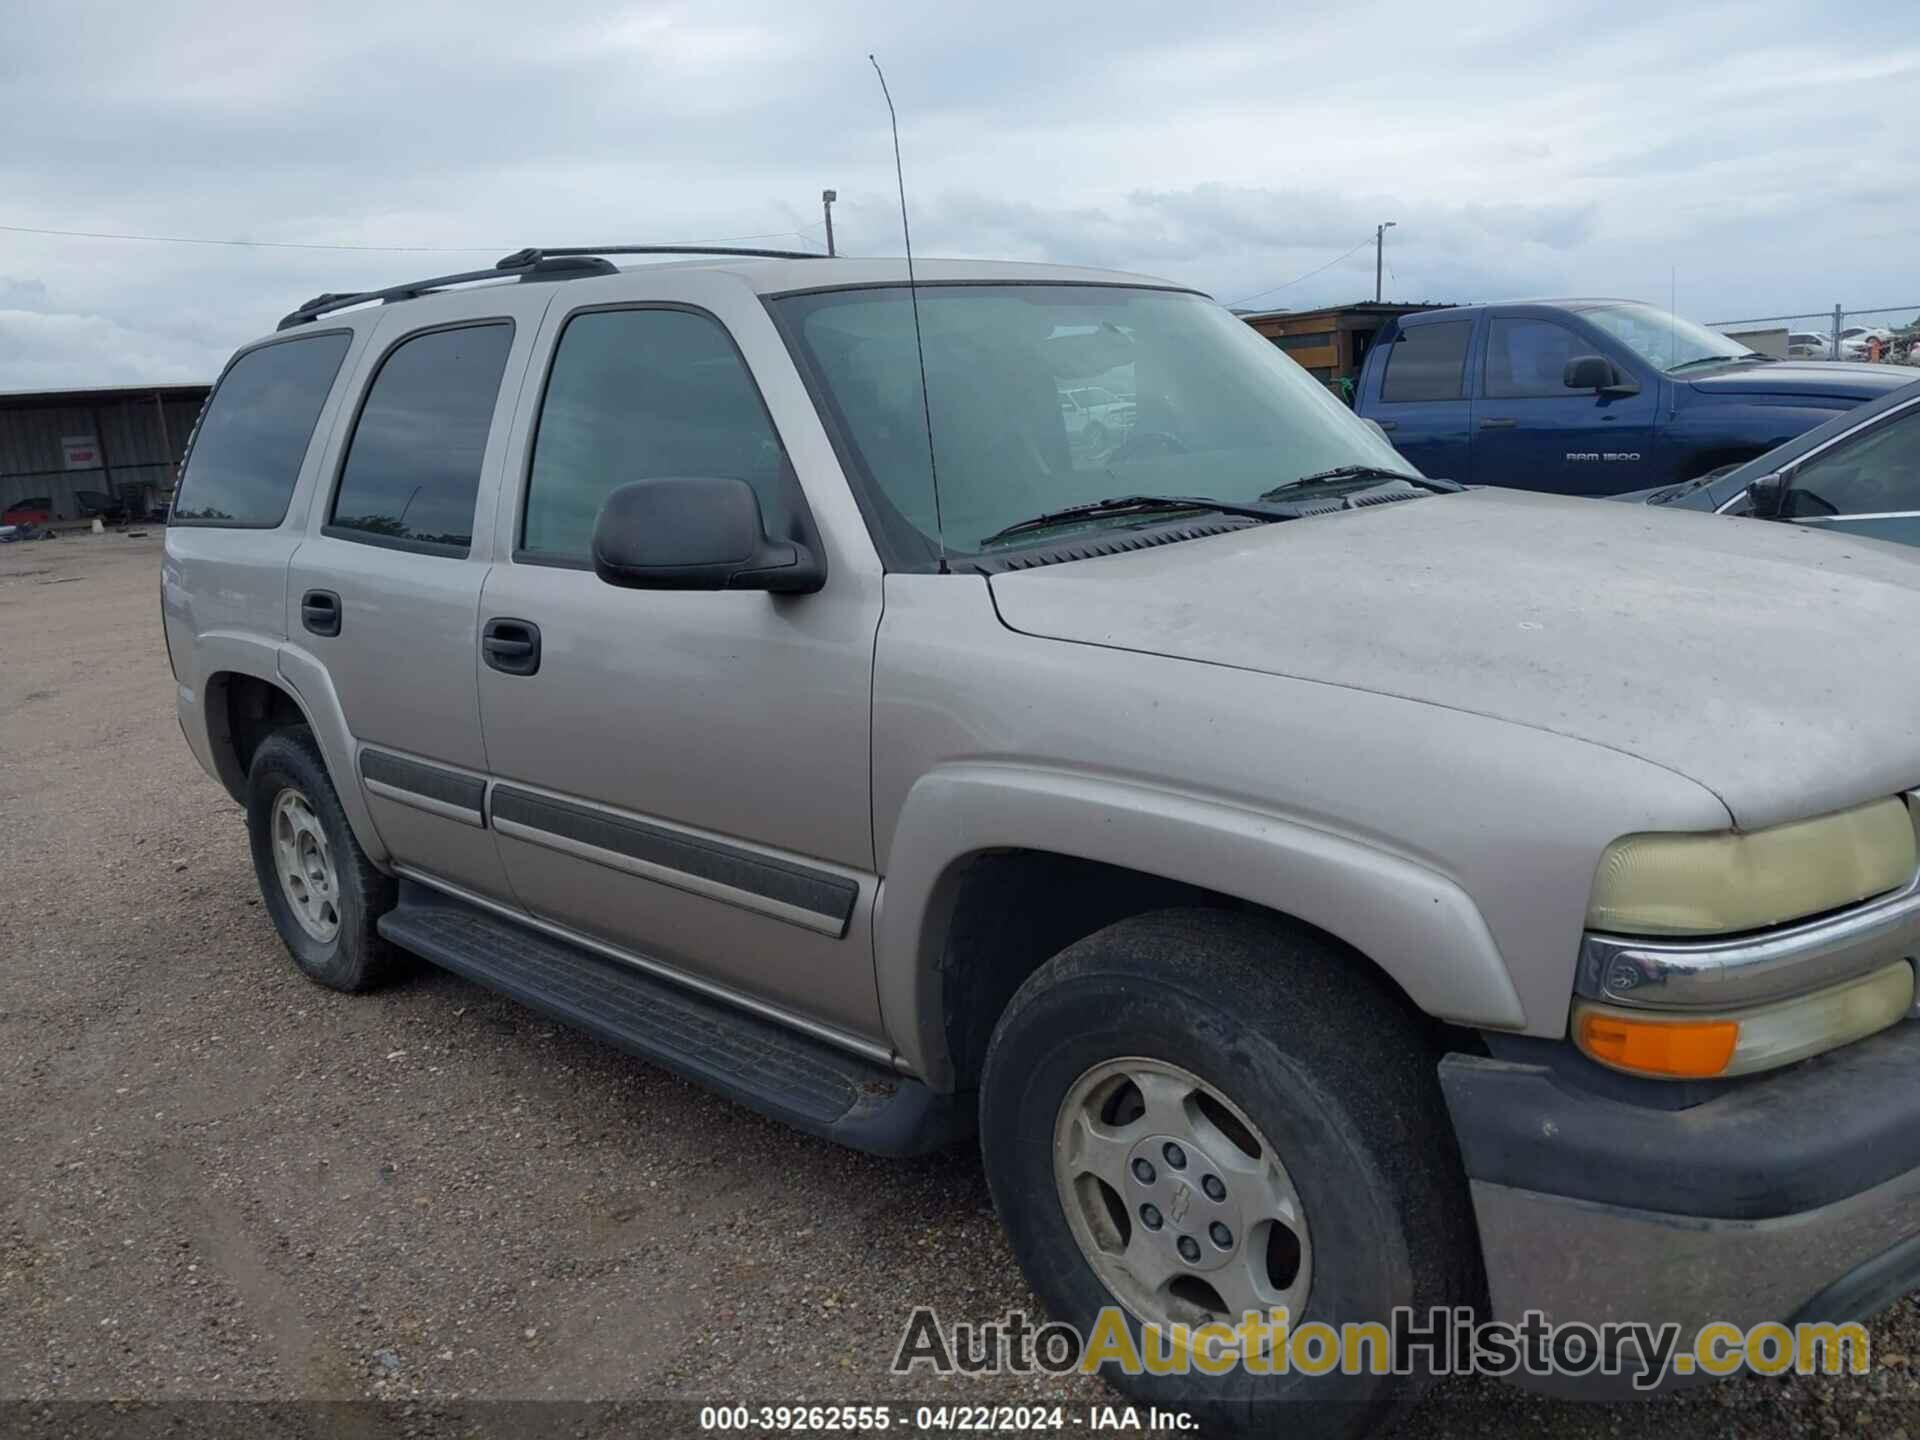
1830, 378
1770, 664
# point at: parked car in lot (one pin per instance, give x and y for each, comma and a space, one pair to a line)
1866, 342
1095, 417
1317, 885
1809, 345
1858, 473
1589, 397
36, 510
100, 505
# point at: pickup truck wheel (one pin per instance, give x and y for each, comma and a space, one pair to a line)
319, 887
1198, 1113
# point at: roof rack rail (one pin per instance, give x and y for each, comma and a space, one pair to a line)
533, 255
563, 268
571, 262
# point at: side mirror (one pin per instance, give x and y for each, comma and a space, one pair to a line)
1767, 496
696, 533
1596, 373
1587, 372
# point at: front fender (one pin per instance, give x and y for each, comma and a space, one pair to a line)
1417, 925
1711, 430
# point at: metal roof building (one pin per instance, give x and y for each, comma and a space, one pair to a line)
125, 440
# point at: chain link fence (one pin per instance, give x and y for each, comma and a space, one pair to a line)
1883, 334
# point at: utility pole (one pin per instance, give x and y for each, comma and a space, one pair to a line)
827, 197
1379, 253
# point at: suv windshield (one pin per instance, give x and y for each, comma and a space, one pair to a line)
1661, 338
1048, 396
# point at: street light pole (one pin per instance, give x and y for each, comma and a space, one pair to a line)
1379, 253
827, 197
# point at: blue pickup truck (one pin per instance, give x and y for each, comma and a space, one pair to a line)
1590, 397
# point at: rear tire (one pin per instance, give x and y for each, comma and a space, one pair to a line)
323, 893
1314, 1057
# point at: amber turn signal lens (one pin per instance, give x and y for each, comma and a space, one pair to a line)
1681, 1049
1740, 1042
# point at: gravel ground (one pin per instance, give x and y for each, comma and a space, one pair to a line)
220, 1183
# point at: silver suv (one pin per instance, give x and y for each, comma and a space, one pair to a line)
1319, 887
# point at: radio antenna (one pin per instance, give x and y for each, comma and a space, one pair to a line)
913, 299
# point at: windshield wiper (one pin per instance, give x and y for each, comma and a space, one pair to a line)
1340, 473
1130, 504
1687, 487
1716, 360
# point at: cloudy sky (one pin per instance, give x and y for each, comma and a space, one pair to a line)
1757, 157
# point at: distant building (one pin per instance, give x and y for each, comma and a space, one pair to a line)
1767, 340
126, 441
1331, 342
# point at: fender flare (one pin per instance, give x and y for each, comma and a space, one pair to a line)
312, 689
304, 681
1418, 926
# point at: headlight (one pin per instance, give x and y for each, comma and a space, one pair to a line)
1739, 1042
1718, 884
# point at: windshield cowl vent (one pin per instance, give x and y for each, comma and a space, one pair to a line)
1109, 544
1382, 497
1333, 504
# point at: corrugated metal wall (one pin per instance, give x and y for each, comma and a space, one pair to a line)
141, 452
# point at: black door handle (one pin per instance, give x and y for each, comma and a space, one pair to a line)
511, 646
1507, 424
320, 612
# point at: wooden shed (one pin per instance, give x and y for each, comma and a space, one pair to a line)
1332, 342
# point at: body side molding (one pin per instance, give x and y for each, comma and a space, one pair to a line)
818, 899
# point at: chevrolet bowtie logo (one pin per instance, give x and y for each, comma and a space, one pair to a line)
1182, 1199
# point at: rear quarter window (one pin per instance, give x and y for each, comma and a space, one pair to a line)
258, 423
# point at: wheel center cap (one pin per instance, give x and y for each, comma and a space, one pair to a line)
1176, 1202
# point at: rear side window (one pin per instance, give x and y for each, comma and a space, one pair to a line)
639, 394
1428, 362
250, 442
413, 463
1528, 359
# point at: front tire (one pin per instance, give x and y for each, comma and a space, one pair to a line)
323, 893
1249, 1077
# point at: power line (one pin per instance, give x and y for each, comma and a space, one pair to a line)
1231, 304
376, 249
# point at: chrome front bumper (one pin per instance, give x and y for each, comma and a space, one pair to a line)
1750, 970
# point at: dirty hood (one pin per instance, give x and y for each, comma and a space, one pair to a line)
1773, 665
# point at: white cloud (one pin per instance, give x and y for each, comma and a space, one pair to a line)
1760, 156
43, 351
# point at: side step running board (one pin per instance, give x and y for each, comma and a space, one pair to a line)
782, 1073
